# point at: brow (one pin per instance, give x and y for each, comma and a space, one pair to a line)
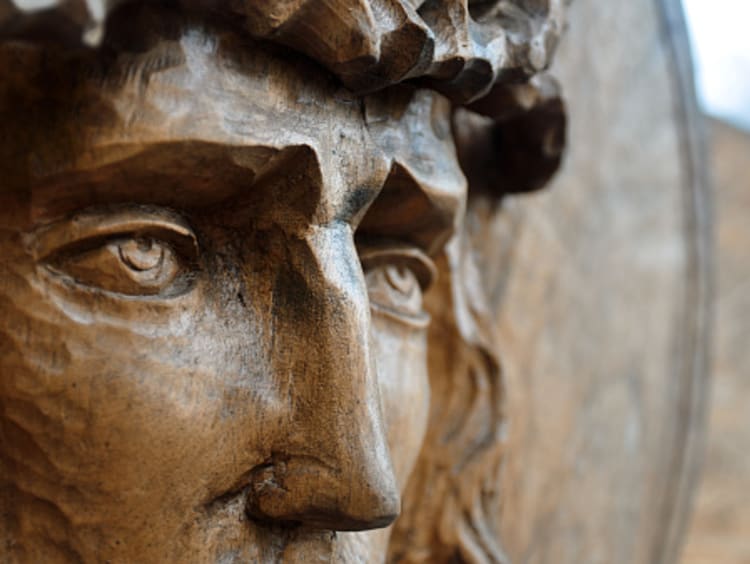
192, 175
177, 174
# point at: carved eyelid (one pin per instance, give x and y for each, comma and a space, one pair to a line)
103, 224
422, 266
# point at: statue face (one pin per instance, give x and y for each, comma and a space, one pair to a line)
212, 337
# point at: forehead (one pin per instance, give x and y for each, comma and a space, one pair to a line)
202, 115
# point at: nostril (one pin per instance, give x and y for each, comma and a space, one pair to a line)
267, 478
266, 484
304, 490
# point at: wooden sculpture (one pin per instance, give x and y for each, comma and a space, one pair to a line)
241, 317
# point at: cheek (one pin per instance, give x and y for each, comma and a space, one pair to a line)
127, 411
401, 356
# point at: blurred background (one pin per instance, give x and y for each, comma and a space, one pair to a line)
720, 36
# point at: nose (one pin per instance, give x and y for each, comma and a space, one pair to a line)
331, 466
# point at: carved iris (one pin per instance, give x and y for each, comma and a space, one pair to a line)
397, 276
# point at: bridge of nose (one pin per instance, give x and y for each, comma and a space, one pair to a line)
332, 468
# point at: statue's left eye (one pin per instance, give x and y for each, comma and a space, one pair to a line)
129, 253
396, 276
396, 288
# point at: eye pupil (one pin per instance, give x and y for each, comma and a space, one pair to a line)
141, 254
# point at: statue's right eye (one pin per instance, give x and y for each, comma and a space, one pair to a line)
131, 253
132, 266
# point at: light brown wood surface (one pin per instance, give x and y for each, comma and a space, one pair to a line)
266, 282
600, 288
720, 528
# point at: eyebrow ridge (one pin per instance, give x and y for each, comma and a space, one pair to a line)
105, 222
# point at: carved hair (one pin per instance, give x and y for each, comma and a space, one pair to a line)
458, 47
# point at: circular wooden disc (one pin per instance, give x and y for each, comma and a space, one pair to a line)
603, 303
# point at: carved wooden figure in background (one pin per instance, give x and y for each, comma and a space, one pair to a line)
219, 261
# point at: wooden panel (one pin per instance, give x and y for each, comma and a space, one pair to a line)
720, 530
602, 302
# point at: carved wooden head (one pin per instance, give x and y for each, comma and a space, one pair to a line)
218, 266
